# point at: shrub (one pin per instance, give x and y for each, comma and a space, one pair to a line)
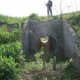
6, 37
52, 70
74, 20
14, 50
33, 16
8, 70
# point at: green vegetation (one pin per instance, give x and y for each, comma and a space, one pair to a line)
13, 65
8, 70
55, 69
7, 37
11, 55
33, 16
8, 19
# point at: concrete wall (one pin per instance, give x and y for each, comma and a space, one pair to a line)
49, 28
60, 31
76, 62
33, 30
70, 40
71, 45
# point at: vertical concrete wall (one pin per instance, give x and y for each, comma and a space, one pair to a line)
76, 61
70, 40
26, 43
71, 49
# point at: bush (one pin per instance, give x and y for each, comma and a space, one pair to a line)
55, 69
14, 50
74, 20
6, 37
33, 16
8, 70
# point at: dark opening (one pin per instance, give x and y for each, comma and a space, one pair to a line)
50, 46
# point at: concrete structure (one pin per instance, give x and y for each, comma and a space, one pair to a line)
62, 38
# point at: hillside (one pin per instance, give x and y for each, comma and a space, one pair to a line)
13, 65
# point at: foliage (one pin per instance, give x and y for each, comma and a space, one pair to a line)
52, 70
14, 50
6, 37
33, 16
8, 19
74, 20
8, 70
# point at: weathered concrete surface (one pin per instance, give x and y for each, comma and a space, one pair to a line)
70, 40
76, 61
34, 30
71, 49
62, 38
